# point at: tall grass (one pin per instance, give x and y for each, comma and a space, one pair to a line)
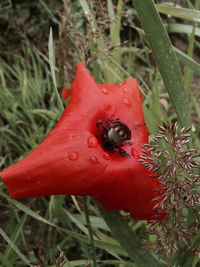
28, 106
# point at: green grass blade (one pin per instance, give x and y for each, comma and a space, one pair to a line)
96, 221
67, 264
16, 234
77, 222
187, 71
187, 60
100, 262
12, 245
52, 67
111, 15
127, 238
88, 13
5, 261
183, 13
83, 238
49, 12
117, 24
115, 27
91, 20
182, 28
165, 57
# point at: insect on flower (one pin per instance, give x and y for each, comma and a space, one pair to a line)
115, 134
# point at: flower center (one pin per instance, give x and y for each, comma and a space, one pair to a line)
114, 134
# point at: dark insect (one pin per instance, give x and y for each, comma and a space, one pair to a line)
114, 135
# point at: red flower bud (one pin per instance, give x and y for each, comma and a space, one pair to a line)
93, 150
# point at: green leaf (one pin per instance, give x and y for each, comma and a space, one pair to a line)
77, 222
52, 67
182, 28
101, 263
49, 12
184, 13
187, 71
127, 238
16, 234
88, 13
98, 243
152, 119
12, 245
187, 60
5, 261
112, 17
91, 19
96, 221
115, 27
165, 58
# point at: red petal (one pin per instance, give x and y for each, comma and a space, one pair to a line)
65, 93
72, 161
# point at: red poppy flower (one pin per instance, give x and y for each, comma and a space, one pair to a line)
93, 150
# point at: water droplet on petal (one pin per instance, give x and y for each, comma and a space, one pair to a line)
104, 90
92, 141
73, 155
126, 101
135, 153
108, 107
93, 160
106, 156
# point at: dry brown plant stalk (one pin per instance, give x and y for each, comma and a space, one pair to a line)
175, 166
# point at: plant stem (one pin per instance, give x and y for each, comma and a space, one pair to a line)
93, 250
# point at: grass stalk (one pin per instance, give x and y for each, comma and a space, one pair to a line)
93, 250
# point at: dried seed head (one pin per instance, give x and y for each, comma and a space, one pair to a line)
175, 167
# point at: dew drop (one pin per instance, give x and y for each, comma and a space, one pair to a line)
106, 156
126, 101
104, 90
73, 155
92, 141
135, 153
108, 107
93, 160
